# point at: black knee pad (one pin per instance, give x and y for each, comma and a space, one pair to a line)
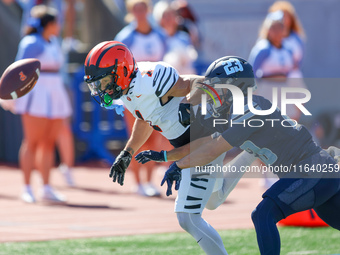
267, 209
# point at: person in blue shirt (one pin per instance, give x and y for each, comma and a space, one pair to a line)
294, 35
44, 109
146, 41
269, 57
309, 176
275, 59
27, 5
181, 53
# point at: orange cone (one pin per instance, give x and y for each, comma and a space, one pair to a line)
307, 218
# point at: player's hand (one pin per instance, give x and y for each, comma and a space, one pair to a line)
118, 168
334, 152
146, 156
185, 114
174, 173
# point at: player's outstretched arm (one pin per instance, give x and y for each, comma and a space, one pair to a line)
141, 131
201, 156
184, 85
205, 153
231, 178
172, 155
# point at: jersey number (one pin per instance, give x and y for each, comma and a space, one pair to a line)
266, 155
229, 68
155, 127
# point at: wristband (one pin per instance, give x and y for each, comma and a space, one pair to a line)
165, 157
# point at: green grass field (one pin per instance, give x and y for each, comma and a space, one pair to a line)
319, 241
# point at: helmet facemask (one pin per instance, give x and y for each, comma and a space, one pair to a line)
105, 87
218, 101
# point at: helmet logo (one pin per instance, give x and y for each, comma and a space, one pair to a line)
229, 68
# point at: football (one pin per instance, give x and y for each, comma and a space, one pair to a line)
19, 78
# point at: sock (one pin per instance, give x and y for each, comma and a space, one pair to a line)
64, 168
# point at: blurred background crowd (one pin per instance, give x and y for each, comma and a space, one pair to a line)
291, 43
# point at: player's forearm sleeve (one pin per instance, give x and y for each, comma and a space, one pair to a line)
232, 178
243, 159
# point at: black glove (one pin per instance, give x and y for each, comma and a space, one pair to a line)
184, 113
174, 173
118, 168
146, 156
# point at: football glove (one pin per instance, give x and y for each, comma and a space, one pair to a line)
118, 168
174, 173
334, 152
184, 113
146, 156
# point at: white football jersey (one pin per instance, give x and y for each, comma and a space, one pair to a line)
143, 100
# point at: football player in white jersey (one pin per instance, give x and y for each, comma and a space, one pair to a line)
152, 92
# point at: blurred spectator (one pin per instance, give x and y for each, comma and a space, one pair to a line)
293, 34
272, 62
181, 53
65, 140
293, 40
27, 5
44, 109
187, 21
66, 18
269, 57
147, 43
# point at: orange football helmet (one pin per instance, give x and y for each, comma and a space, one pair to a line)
109, 69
